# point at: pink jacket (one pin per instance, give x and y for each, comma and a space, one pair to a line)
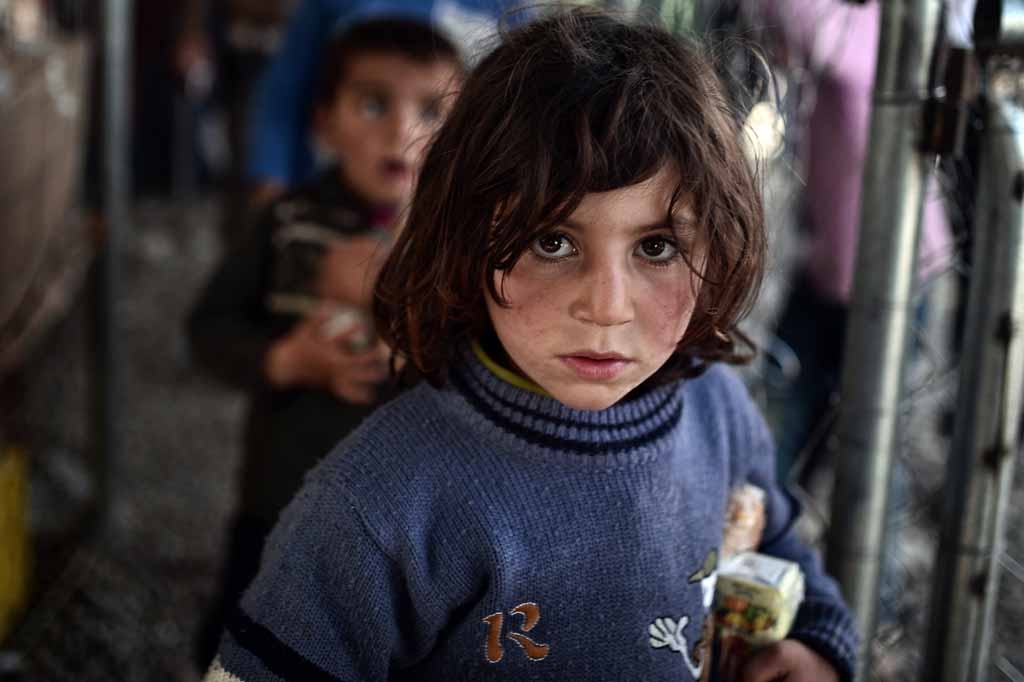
838, 41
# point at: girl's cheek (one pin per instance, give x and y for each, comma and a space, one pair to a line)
531, 271
530, 291
676, 320
673, 312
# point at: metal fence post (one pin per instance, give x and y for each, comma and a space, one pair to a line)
895, 177
117, 21
980, 469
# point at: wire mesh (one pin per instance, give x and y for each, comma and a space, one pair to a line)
928, 404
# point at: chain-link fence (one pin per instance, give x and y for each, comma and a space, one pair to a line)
928, 408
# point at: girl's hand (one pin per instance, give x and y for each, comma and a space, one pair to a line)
306, 357
356, 377
788, 660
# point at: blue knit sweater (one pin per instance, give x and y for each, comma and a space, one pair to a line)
484, 531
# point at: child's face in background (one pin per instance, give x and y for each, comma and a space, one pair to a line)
382, 118
599, 304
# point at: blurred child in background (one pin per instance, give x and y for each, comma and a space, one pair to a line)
282, 315
280, 155
225, 45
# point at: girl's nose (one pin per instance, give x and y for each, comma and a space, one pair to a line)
603, 296
403, 127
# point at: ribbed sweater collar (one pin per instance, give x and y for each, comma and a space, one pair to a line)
639, 424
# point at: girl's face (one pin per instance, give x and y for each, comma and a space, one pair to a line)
381, 119
599, 304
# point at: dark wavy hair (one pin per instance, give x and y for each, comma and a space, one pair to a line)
415, 40
571, 104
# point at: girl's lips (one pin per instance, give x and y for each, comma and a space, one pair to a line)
396, 169
596, 368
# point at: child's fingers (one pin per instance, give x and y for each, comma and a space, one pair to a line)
375, 353
364, 372
345, 332
319, 317
380, 350
767, 665
788, 660
361, 366
355, 392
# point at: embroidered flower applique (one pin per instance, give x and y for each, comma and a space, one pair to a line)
668, 632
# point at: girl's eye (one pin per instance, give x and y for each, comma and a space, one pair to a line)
553, 246
431, 112
657, 249
373, 106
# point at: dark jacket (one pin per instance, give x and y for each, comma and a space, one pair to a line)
232, 326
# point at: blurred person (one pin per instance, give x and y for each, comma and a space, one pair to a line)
283, 315
151, 108
280, 151
222, 50
837, 42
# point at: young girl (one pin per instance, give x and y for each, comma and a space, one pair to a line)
549, 503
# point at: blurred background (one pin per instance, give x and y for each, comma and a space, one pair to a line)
125, 135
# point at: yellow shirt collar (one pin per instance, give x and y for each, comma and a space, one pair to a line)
506, 375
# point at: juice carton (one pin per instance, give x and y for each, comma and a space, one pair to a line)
756, 599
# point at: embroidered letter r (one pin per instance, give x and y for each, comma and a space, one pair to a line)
531, 616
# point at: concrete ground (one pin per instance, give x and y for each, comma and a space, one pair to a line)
123, 604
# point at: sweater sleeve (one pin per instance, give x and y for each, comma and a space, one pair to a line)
329, 603
229, 330
823, 622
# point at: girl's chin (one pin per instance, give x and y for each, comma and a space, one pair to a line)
591, 398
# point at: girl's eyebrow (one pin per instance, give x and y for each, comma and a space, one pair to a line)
681, 223
369, 84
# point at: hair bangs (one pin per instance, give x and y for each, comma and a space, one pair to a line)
590, 141
575, 104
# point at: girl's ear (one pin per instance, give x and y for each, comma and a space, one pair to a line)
498, 278
324, 143
320, 127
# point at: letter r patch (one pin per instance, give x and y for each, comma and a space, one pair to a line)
530, 613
